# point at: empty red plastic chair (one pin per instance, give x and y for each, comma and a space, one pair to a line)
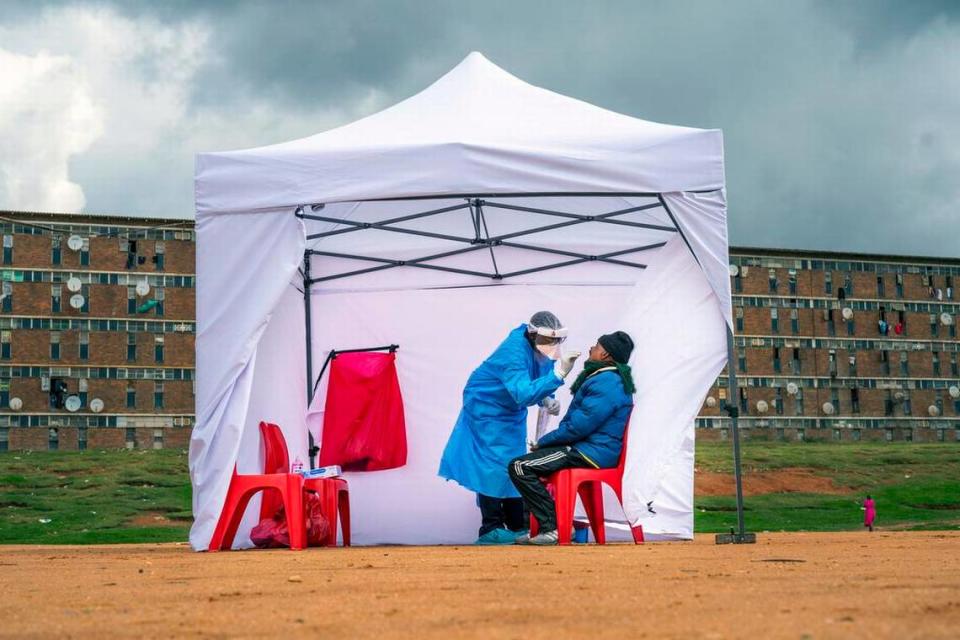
334, 492
289, 487
566, 484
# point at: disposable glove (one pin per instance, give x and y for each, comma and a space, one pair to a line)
551, 406
564, 365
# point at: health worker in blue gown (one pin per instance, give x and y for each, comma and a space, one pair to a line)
491, 430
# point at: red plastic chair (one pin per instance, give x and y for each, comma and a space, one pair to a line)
334, 492
566, 484
287, 486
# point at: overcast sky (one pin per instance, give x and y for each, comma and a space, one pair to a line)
841, 119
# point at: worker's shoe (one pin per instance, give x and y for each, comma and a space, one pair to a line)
496, 536
544, 539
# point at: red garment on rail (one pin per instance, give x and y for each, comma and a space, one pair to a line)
363, 423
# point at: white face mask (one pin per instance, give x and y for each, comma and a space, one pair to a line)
551, 351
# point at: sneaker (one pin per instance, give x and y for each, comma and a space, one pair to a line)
523, 537
496, 536
544, 539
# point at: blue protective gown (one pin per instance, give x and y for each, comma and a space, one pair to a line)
492, 427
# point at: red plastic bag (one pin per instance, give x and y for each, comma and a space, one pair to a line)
363, 424
273, 533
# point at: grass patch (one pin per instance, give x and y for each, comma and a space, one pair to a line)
94, 497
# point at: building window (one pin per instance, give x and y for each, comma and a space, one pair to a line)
837, 434
792, 282
53, 439
831, 325
798, 403
934, 326
131, 438
131, 347
85, 292
158, 395
855, 435
800, 435
907, 406
739, 319
851, 327
56, 291
743, 400
936, 363
85, 253
794, 321
4, 438
832, 363
7, 249
131, 397
854, 400
949, 284
899, 284
880, 286
848, 284
774, 320
885, 363
158, 348
8, 296
772, 279
81, 438
901, 327
55, 252
82, 391
795, 364
158, 438
54, 345
953, 365
737, 283
158, 295
938, 402
904, 364
158, 255
852, 366
4, 395
131, 300
776, 360
835, 399
84, 339
742, 361
778, 401
888, 404
5, 345
828, 283
888, 436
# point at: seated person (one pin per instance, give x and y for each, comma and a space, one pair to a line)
590, 434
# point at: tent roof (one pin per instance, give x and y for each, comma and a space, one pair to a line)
478, 129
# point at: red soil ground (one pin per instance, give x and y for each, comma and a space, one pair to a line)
798, 585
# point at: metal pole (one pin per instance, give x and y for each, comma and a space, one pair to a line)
733, 409
312, 451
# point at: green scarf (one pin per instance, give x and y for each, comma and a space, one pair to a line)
590, 367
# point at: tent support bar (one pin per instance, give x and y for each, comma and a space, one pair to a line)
312, 450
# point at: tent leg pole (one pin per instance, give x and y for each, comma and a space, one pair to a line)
312, 451
741, 536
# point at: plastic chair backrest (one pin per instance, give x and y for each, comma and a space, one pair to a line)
275, 457
621, 463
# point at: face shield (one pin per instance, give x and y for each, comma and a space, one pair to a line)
547, 341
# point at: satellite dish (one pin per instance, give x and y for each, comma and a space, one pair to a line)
933, 410
711, 401
847, 313
762, 406
76, 301
16, 404
828, 408
74, 284
792, 388
75, 242
72, 403
734, 269
143, 288
954, 391
96, 405
946, 318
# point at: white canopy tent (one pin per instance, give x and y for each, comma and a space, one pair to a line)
439, 224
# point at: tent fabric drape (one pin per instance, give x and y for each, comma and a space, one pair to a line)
533, 185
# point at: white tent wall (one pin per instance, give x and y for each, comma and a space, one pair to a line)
444, 334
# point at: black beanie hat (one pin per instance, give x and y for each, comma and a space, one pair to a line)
618, 344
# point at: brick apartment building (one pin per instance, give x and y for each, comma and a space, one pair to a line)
97, 339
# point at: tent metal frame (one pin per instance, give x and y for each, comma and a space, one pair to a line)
475, 204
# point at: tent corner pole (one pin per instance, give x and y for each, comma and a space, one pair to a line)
312, 450
740, 536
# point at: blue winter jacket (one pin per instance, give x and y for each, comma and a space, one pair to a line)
491, 429
595, 421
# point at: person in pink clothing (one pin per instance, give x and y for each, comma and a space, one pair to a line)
869, 513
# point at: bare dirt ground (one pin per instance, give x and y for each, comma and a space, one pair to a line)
755, 483
789, 585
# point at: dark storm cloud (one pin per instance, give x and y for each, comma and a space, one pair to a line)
839, 117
